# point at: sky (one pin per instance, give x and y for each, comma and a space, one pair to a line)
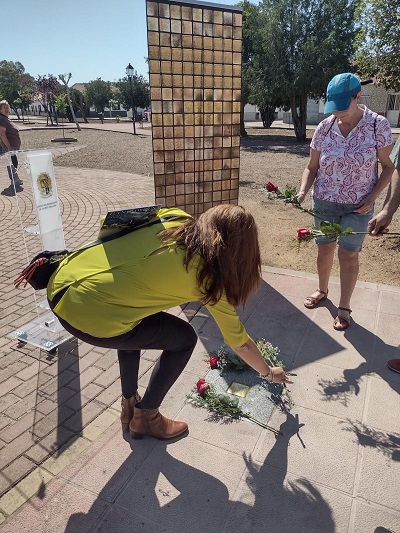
89, 38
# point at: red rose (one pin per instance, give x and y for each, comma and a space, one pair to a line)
271, 187
202, 386
302, 234
214, 361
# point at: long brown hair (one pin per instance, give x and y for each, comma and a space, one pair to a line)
226, 239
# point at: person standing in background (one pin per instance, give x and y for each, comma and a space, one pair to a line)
343, 172
10, 140
381, 221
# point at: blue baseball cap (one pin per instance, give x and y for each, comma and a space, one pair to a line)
340, 90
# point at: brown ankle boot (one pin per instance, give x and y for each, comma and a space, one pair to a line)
152, 422
127, 410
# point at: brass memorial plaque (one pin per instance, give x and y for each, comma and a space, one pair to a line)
238, 389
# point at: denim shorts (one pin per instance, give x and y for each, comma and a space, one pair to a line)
344, 215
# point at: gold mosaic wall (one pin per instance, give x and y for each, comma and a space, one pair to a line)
195, 62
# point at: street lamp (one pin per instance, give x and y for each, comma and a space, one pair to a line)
130, 72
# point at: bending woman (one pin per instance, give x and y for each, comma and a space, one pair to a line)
113, 295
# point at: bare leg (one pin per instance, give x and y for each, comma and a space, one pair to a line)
325, 256
349, 266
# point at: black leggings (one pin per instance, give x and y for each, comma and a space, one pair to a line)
161, 331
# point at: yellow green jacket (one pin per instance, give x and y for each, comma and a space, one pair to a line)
113, 286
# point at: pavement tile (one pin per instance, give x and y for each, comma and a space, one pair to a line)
292, 504
184, 485
52, 420
117, 520
49, 444
10, 384
25, 489
368, 516
27, 422
380, 471
313, 453
18, 469
65, 455
381, 411
79, 420
106, 467
60, 507
331, 390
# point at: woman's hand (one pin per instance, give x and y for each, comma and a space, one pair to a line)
301, 196
365, 205
278, 375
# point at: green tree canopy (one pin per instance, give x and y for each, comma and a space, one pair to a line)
138, 93
378, 42
16, 85
297, 46
98, 93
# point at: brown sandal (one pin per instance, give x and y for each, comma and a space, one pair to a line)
312, 301
336, 323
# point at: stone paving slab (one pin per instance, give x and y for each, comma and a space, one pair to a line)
64, 465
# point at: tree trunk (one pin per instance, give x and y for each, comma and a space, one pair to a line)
72, 108
243, 132
267, 115
299, 117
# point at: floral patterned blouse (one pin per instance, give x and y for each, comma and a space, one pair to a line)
348, 169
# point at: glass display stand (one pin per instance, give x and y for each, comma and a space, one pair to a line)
36, 178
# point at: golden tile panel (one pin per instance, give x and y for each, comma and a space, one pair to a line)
165, 24
176, 26
187, 13
228, 45
197, 14
218, 17
167, 107
227, 32
155, 80
153, 38
176, 40
158, 144
166, 80
167, 93
177, 54
152, 23
175, 12
237, 45
165, 39
188, 81
166, 67
179, 143
156, 119
177, 79
165, 53
168, 119
198, 69
188, 119
187, 41
152, 9
179, 130
197, 28
187, 27
176, 67
218, 32
177, 93
164, 10
154, 66
154, 52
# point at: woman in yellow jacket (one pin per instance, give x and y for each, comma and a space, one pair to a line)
114, 295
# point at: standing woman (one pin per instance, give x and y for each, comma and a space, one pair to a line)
113, 295
9, 140
343, 171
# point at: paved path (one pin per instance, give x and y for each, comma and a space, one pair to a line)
64, 465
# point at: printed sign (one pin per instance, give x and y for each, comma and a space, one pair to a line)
46, 199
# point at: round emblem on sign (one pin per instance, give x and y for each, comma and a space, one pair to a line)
44, 185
